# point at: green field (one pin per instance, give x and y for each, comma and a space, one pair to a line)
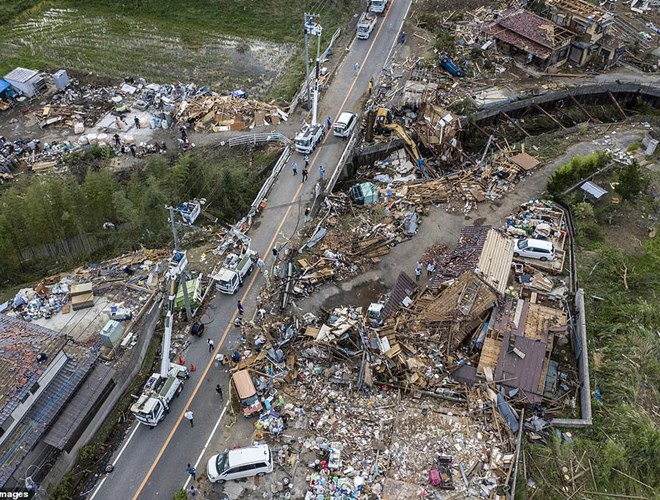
224, 44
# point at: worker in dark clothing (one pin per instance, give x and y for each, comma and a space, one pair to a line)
136, 120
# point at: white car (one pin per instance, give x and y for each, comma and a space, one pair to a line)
240, 462
534, 249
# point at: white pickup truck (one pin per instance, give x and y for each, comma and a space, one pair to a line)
365, 25
378, 6
234, 269
308, 138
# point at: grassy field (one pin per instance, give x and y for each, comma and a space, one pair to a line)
619, 269
224, 44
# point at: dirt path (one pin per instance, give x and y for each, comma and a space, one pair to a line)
442, 227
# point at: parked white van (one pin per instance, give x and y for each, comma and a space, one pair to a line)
240, 462
345, 124
534, 249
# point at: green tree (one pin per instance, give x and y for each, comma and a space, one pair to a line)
630, 181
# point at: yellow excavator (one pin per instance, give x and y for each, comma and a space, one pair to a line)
384, 123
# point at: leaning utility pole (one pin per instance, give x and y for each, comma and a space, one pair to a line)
181, 274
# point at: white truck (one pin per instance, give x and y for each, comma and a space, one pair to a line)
154, 402
378, 6
308, 138
161, 388
365, 25
234, 269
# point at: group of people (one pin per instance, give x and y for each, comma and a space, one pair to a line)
431, 268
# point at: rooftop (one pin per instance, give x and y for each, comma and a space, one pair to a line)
529, 32
20, 344
582, 8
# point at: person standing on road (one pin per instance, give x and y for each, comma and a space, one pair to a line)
192, 471
429, 269
294, 168
261, 264
240, 308
189, 416
193, 491
370, 85
402, 38
218, 389
321, 173
136, 120
211, 345
329, 120
356, 68
306, 161
305, 172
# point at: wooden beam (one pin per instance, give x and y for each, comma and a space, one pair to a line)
557, 122
577, 103
617, 105
516, 124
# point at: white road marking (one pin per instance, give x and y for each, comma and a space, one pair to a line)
114, 462
206, 445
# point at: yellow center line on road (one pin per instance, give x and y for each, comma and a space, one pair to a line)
247, 290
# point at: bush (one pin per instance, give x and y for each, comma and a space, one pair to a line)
181, 495
589, 233
584, 211
575, 170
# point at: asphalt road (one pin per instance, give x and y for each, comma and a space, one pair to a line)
152, 462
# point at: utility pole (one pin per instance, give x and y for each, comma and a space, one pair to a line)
314, 29
307, 23
181, 277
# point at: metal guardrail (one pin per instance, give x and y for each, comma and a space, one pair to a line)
302, 93
348, 150
253, 139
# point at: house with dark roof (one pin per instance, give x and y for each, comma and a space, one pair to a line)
41, 371
541, 41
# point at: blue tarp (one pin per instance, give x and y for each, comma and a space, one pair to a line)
4, 85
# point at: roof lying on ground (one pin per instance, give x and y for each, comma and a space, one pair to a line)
463, 303
529, 32
495, 260
520, 343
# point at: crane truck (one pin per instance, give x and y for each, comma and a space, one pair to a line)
161, 388
236, 266
311, 134
365, 25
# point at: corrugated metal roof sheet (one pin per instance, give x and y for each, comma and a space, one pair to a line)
593, 189
495, 259
403, 287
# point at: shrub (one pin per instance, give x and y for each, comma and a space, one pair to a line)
575, 170
630, 181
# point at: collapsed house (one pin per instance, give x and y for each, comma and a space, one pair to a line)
544, 43
595, 35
